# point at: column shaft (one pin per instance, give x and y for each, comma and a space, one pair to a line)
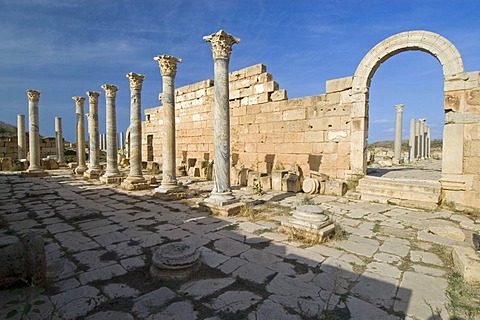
135, 174
33, 134
21, 138
397, 154
111, 136
80, 125
422, 139
411, 142
59, 141
93, 135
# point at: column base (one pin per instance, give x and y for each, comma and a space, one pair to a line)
133, 183
92, 174
34, 173
112, 179
80, 170
221, 199
170, 192
226, 210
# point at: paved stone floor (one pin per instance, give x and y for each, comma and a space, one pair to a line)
100, 239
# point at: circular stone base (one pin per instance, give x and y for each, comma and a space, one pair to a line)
174, 274
175, 261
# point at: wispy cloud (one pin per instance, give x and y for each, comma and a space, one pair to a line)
380, 121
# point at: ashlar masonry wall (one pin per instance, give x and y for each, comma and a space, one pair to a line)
268, 130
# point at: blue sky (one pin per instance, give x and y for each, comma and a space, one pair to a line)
65, 48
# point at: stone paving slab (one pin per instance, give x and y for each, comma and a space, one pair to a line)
99, 243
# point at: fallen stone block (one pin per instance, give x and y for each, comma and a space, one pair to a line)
467, 262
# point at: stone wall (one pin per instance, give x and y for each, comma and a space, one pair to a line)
268, 130
9, 147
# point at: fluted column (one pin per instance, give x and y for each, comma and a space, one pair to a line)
94, 168
112, 146
168, 70
222, 43
428, 144
80, 125
135, 176
21, 141
59, 141
397, 146
33, 131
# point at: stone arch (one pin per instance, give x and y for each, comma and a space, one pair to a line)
436, 45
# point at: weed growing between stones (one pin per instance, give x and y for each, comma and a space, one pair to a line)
310, 238
307, 201
376, 228
464, 298
257, 187
28, 300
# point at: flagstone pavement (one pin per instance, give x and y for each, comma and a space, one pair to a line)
99, 240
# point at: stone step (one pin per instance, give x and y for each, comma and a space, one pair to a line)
428, 186
405, 192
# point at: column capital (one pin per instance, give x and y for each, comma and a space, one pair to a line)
79, 101
399, 107
422, 120
136, 80
222, 43
167, 64
33, 95
93, 96
110, 90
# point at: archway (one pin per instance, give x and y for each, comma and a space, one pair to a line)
432, 43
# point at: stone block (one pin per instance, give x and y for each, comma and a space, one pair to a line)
295, 114
291, 183
335, 188
467, 263
266, 182
5, 164
277, 176
340, 84
279, 95
255, 70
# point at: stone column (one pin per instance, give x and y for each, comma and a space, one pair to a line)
80, 125
411, 142
168, 70
397, 153
421, 134
112, 174
94, 168
59, 141
221, 48
33, 133
135, 179
21, 141
417, 139
428, 143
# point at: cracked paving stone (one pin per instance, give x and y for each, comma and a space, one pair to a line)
103, 273
253, 272
77, 302
144, 304
233, 301
205, 287
230, 247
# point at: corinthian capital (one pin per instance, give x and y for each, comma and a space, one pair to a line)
167, 64
33, 95
136, 80
79, 101
110, 90
222, 43
399, 107
93, 96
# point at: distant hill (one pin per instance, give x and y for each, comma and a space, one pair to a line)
388, 144
7, 129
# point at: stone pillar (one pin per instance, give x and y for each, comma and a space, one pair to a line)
80, 125
94, 168
417, 139
33, 133
121, 141
59, 141
421, 134
221, 48
135, 179
112, 174
397, 153
411, 142
428, 145
21, 141
168, 70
